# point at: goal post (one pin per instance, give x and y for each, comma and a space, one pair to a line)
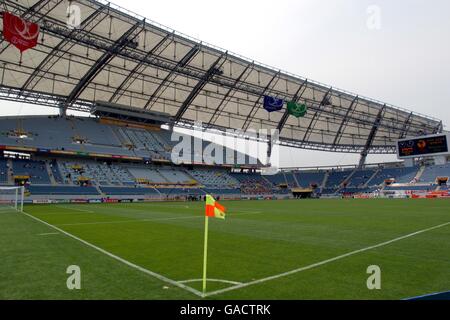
11, 198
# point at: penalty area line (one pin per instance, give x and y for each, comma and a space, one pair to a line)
318, 264
126, 262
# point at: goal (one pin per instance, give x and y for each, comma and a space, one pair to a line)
11, 198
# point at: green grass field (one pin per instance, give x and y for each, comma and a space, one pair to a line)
249, 253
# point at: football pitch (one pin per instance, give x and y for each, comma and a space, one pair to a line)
309, 249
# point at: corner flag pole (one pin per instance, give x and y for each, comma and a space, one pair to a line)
205, 254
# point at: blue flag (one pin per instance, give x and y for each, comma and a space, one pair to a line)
272, 104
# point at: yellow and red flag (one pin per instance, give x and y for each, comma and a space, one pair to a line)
214, 209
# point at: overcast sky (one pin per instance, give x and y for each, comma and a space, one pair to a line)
396, 51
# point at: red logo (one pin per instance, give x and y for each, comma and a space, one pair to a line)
20, 33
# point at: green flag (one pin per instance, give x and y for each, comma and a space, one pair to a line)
296, 109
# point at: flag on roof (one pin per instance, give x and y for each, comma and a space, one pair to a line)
296, 109
21, 33
214, 209
272, 104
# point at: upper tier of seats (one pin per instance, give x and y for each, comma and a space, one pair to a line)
89, 135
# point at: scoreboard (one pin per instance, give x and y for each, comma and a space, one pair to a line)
423, 146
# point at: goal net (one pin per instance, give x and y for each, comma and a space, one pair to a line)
11, 198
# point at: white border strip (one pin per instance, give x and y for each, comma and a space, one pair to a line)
318, 264
128, 263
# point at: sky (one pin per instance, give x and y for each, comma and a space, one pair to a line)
394, 51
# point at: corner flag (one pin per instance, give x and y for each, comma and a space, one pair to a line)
212, 210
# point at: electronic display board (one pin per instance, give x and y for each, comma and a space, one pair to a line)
430, 145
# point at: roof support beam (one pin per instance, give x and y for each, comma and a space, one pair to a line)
226, 97
139, 68
212, 71
253, 110
59, 50
296, 98
173, 72
316, 114
119, 45
406, 125
338, 136
371, 138
439, 128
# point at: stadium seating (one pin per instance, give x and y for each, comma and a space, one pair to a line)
431, 173
118, 191
213, 178
36, 170
306, 179
290, 179
59, 133
214, 192
3, 171
62, 190
84, 135
354, 190
146, 173
253, 183
401, 175
336, 178
123, 175
175, 176
56, 172
181, 191
411, 188
361, 177
277, 179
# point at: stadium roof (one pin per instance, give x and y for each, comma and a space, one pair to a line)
123, 58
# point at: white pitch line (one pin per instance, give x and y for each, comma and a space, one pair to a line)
75, 209
318, 264
126, 221
126, 262
211, 280
48, 234
147, 220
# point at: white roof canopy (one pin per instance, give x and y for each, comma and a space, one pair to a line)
120, 57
